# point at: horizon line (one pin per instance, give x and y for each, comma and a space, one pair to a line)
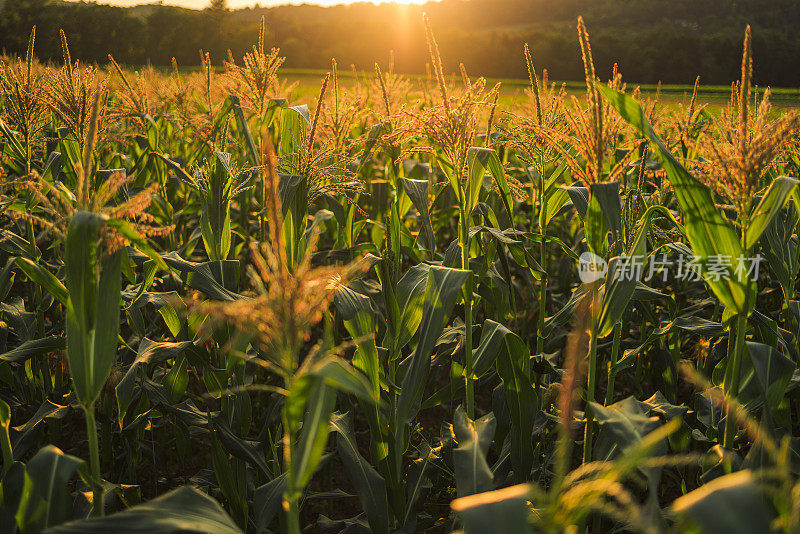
234, 5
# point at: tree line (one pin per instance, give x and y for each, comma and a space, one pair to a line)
652, 40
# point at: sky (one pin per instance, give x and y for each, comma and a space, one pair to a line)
242, 3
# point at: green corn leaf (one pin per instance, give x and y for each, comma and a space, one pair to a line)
137, 241
477, 163
492, 338
5, 438
495, 167
182, 510
205, 276
13, 483
182, 174
780, 190
295, 120
293, 190
44, 278
359, 319
417, 483
71, 155
765, 376
513, 366
621, 282
603, 215
152, 132
46, 500
246, 450
52, 167
231, 480
314, 434
370, 486
12, 142
107, 322
340, 375
730, 504
34, 347
619, 287
244, 130
177, 380
7, 277
267, 501
473, 474
148, 352
373, 136
579, 196
556, 198
215, 218
595, 227
24, 435
625, 426
442, 291
708, 232
504, 510
417, 191
410, 296
94, 306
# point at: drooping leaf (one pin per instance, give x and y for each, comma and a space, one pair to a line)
504, 510
148, 351
34, 347
417, 191
442, 290
473, 474
44, 278
267, 501
771, 203
46, 499
314, 434
410, 296
730, 504
708, 232
182, 510
513, 366
370, 486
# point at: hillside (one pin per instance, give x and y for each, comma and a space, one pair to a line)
653, 40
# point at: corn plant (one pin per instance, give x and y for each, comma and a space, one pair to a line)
435, 305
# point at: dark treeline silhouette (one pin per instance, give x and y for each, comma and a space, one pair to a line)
652, 40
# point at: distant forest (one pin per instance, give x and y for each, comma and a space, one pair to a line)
652, 40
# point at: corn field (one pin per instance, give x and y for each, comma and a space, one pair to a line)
406, 305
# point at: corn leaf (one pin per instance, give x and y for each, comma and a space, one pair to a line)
708, 233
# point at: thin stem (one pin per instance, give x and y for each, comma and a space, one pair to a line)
563, 453
542, 299
98, 498
291, 506
468, 370
5, 445
292, 516
542, 253
590, 387
732, 379
396, 242
614, 358
732, 387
